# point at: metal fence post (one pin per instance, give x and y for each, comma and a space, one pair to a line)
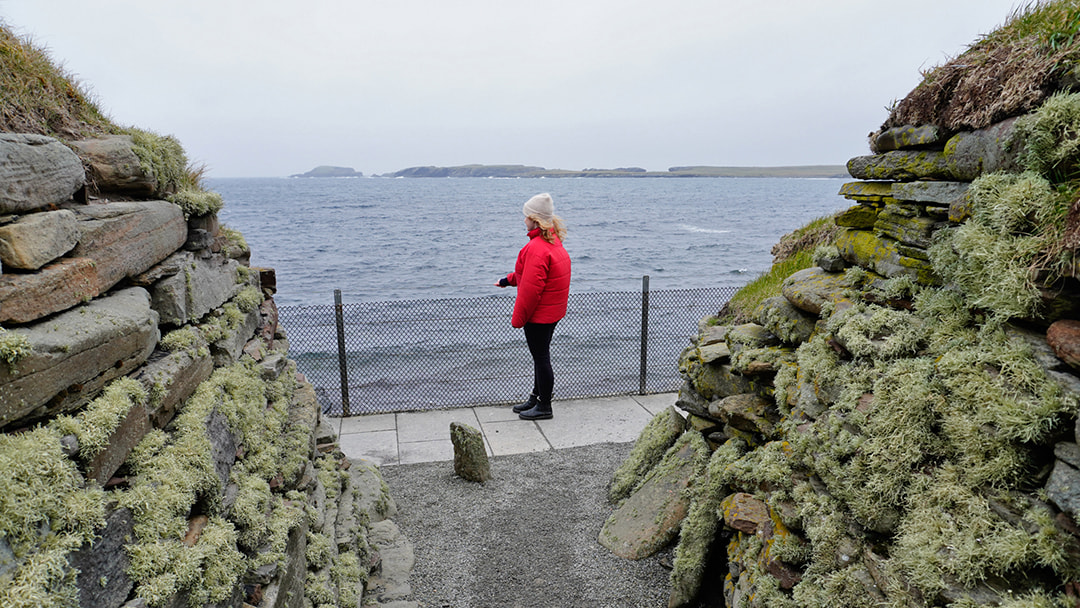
341, 353
644, 331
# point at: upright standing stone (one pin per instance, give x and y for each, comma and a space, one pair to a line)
470, 456
35, 172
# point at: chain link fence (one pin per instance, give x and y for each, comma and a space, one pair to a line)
411, 355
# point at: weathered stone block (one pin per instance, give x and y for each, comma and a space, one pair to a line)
747, 412
933, 193
127, 435
1064, 338
372, 494
117, 240
126, 239
470, 455
102, 565
973, 153
391, 582
712, 381
908, 136
859, 216
745, 513
222, 445
812, 288
36, 171
114, 167
905, 228
880, 254
171, 378
288, 591
37, 239
901, 165
782, 319
198, 286
227, 350
867, 192
651, 517
718, 351
76, 353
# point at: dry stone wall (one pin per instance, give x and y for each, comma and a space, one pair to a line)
893, 429
159, 448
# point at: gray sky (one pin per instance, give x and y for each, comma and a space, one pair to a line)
274, 87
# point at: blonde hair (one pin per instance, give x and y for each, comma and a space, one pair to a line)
550, 229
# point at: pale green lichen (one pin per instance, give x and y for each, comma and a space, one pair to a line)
45, 513
14, 347
196, 202
94, 426
657, 436
162, 158
186, 338
248, 299
173, 472
235, 243
1047, 137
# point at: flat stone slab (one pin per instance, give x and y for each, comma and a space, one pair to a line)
812, 288
37, 171
173, 378
118, 240
37, 239
114, 165
83, 348
195, 286
650, 518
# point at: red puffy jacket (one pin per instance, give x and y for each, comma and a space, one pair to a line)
542, 276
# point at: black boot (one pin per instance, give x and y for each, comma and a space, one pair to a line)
542, 411
528, 405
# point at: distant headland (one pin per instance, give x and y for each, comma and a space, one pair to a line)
328, 171
839, 171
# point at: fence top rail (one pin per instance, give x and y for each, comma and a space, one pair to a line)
726, 290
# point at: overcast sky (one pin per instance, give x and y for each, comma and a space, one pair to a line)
275, 87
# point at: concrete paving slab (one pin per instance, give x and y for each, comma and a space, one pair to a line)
495, 413
437, 450
590, 421
657, 402
363, 424
430, 426
380, 447
514, 437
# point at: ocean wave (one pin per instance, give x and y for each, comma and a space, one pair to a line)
690, 228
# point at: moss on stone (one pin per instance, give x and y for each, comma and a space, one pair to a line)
94, 426
161, 157
248, 299
14, 346
45, 513
196, 202
658, 435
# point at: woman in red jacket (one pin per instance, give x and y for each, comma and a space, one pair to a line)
542, 277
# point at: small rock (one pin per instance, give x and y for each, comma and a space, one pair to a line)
470, 457
1064, 337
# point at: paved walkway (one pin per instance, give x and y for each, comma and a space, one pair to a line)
412, 437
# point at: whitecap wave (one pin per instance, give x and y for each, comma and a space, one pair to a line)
689, 228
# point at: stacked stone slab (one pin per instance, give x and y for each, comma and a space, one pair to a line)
102, 282
914, 184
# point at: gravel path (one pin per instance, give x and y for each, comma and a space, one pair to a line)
526, 539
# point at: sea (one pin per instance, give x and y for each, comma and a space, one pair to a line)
417, 259
380, 239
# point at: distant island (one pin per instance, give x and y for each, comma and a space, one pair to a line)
328, 171
839, 171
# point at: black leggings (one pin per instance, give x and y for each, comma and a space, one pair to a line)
538, 337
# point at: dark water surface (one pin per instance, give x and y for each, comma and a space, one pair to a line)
388, 239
